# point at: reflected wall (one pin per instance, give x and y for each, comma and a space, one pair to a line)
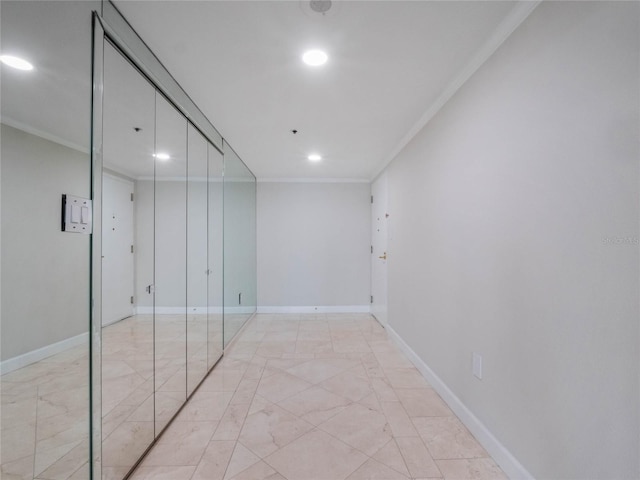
45, 272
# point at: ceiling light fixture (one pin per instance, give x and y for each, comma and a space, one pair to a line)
315, 58
16, 62
314, 157
162, 156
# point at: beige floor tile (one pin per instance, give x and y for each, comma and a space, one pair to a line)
318, 370
373, 470
205, 406
316, 456
232, 421
390, 456
20, 469
393, 360
315, 405
447, 438
280, 386
471, 469
267, 430
259, 471
423, 402
405, 378
215, 459
182, 444
417, 458
362, 428
163, 473
241, 459
401, 424
383, 389
245, 391
349, 384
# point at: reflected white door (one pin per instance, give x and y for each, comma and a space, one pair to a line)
379, 219
117, 255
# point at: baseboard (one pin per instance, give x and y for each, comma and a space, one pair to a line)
34, 356
509, 464
192, 310
319, 309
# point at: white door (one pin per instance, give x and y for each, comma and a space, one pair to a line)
117, 251
379, 219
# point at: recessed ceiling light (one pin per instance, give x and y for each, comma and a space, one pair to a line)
314, 157
162, 156
15, 62
315, 58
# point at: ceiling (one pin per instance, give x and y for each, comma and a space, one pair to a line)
240, 61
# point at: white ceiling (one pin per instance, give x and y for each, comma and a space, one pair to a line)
389, 62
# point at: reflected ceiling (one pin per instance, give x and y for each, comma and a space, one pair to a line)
241, 63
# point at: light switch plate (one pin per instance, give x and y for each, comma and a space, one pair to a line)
76, 214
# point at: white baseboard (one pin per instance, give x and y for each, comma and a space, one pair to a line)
319, 309
509, 464
176, 310
192, 310
34, 356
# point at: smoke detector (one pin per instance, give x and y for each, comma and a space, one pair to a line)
320, 6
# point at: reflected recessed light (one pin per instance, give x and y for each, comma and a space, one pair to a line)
315, 58
15, 62
162, 156
314, 157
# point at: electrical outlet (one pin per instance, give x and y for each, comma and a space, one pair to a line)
477, 365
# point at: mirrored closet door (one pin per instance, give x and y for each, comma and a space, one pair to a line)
161, 262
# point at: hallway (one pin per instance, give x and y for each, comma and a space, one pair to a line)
322, 397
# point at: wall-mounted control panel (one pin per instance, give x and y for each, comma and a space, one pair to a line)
76, 214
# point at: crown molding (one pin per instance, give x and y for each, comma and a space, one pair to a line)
511, 22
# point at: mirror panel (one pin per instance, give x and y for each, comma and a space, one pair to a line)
127, 339
44, 363
240, 298
215, 257
197, 270
170, 303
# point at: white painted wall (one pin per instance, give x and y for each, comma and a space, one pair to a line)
313, 244
45, 272
514, 234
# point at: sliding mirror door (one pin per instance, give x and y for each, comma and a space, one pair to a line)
170, 306
127, 265
240, 298
215, 256
197, 270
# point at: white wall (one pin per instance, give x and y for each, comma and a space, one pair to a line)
514, 234
313, 244
45, 272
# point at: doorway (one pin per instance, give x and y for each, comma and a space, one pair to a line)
379, 248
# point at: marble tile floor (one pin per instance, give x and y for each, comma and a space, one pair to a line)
44, 419
316, 397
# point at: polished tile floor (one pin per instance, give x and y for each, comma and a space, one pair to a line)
316, 397
44, 419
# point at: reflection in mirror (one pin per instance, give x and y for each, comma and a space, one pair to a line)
44, 410
170, 304
215, 258
240, 298
196, 259
127, 339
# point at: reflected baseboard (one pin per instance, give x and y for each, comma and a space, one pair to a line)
193, 310
34, 356
316, 309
